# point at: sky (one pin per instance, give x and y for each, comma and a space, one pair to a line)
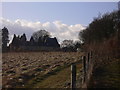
63, 20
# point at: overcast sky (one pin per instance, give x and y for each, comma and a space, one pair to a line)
63, 20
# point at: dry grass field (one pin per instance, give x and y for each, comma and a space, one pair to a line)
30, 69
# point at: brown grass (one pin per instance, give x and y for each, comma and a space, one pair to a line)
21, 68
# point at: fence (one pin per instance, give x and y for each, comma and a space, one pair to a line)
87, 68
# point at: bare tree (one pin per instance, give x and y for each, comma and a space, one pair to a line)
43, 34
67, 43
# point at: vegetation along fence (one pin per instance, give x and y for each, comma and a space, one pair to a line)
87, 68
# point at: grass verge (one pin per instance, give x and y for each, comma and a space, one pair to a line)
107, 76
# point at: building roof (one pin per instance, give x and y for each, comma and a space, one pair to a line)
52, 42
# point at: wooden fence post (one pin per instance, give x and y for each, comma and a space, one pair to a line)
88, 60
84, 68
88, 57
91, 62
73, 76
91, 54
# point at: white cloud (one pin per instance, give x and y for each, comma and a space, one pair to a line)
56, 28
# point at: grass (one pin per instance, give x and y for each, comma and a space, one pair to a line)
29, 68
56, 80
107, 76
59, 78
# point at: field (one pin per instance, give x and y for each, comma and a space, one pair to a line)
38, 69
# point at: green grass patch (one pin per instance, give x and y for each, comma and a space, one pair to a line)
58, 78
41, 77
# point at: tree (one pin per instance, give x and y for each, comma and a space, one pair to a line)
43, 34
100, 28
119, 5
68, 45
77, 44
5, 38
40, 41
1, 39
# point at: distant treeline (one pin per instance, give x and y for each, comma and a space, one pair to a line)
39, 41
